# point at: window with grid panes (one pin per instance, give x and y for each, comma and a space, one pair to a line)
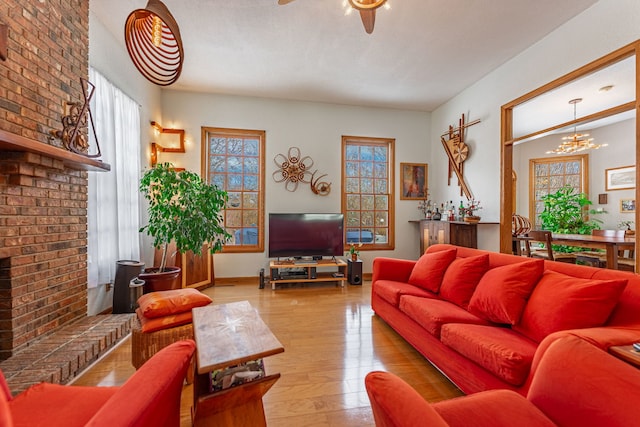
548, 175
367, 191
233, 159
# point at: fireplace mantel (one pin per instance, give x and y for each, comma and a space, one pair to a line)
12, 142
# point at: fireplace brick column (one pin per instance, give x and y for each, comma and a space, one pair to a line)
43, 204
43, 245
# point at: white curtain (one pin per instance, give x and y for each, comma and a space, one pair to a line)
113, 208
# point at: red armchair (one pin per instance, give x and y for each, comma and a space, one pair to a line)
575, 384
150, 397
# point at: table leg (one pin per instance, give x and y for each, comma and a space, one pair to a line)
612, 256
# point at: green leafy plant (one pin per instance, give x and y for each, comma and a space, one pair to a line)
183, 208
567, 211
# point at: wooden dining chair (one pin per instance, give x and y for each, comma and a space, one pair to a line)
546, 251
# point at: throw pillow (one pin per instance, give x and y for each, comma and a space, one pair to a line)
462, 277
503, 291
429, 269
560, 302
164, 303
165, 322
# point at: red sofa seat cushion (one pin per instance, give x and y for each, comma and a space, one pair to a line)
503, 291
432, 314
461, 279
501, 351
430, 268
560, 302
390, 291
55, 405
494, 408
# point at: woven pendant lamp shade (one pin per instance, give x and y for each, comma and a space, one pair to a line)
154, 43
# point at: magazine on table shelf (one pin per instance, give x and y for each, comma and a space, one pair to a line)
238, 374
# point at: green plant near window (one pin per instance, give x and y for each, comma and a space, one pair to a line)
183, 208
567, 211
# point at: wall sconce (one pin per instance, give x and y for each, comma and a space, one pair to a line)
154, 154
169, 140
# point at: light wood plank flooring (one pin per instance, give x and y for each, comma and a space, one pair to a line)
332, 340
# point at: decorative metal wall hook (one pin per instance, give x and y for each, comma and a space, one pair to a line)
321, 188
292, 169
75, 133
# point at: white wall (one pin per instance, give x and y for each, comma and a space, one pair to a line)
606, 26
316, 129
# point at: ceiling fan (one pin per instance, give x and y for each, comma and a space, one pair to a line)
367, 9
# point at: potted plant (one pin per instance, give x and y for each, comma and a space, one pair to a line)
567, 211
354, 251
183, 209
470, 211
626, 226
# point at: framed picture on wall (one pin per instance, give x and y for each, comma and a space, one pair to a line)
627, 205
623, 178
413, 181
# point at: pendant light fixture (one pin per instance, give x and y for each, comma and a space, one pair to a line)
578, 141
154, 43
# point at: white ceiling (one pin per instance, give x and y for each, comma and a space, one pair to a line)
421, 53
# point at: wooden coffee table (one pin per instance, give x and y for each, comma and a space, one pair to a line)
227, 335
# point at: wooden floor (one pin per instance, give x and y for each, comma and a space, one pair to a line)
332, 340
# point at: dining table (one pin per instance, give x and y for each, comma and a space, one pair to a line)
609, 243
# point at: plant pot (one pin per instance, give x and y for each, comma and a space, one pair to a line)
472, 219
354, 257
165, 281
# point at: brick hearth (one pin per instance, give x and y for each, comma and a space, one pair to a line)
61, 356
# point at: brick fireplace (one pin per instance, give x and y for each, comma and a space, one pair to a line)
43, 189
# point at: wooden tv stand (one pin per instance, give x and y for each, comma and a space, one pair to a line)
311, 273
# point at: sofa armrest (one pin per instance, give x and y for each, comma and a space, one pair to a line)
396, 404
398, 270
151, 396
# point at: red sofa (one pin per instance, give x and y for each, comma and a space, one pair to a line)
149, 398
483, 318
575, 384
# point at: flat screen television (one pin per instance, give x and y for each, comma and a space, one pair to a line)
306, 234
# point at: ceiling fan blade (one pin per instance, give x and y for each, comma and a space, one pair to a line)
368, 19
283, 2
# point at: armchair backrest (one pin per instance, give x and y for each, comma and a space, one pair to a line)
151, 396
577, 384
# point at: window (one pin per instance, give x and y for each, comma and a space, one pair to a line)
367, 191
112, 205
233, 159
548, 175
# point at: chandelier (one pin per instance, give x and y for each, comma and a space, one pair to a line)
578, 141
153, 40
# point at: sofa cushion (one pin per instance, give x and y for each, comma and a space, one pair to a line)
390, 291
158, 323
430, 268
501, 351
561, 302
55, 405
431, 314
462, 277
164, 303
503, 291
